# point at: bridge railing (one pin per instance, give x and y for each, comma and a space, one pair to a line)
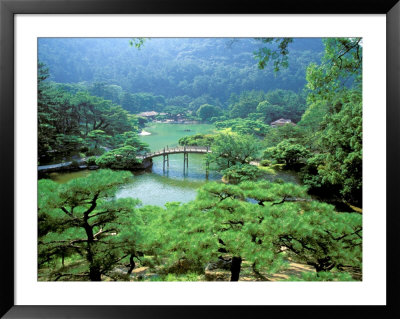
177, 149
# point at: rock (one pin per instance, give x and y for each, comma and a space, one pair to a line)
140, 271
215, 275
182, 266
218, 270
146, 163
220, 264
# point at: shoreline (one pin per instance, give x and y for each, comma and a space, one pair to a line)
175, 122
144, 133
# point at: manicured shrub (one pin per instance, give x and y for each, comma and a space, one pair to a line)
91, 161
120, 158
241, 172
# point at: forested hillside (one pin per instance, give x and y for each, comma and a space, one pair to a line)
179, 69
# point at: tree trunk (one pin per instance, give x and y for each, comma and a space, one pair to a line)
94, 270
131, 264
324, 264
94, 274
258, 274
235, 268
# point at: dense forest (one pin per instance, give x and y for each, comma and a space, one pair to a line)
277, 105
173, 70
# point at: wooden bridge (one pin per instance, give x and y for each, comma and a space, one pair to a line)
185, 150
164, 153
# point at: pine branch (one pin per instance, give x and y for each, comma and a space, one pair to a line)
345, 235
103, 232
69, 214
281, 202
93, 205
70, 275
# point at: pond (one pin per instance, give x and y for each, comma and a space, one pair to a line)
163, 134
155, 186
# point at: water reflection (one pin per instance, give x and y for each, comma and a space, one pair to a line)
174, 184
196, 169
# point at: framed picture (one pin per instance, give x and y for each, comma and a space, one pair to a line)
32, 31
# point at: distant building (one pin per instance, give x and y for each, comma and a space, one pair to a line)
150, 114
281, 122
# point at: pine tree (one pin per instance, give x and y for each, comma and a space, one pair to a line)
224, 224
82, 221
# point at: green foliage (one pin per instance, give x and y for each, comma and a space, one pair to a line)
331, 128
337, 83
244, 126
270, 112
262, 223
231, 149
311, 125
246, 103
310, 173
99, 114
281, 104
46, 111
273, 192
313, 233
221, 224
281, 133
323, 276
142, 121
241, 172
339, 165
265, 162
98, 137
111, 92
206, 112
139, 102
187, 277
323, 238
179, 101
173, 112
82, 222
67, 144
342, 63
95, 151
119, 158
287, 152
175, 67
69, 121
312, 118
197, 140
278, 53
91, 161
130, 139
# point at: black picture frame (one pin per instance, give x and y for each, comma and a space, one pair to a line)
8, 8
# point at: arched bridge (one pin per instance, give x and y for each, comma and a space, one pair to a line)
176, 150
185, 150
